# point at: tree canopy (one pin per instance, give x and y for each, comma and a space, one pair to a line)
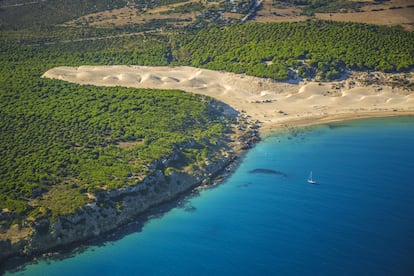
310, 48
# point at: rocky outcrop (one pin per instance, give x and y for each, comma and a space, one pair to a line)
115, 208
110, 210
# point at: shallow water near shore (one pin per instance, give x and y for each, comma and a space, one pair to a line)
265, 219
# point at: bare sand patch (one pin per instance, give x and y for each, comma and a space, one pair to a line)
129, 144
272, 103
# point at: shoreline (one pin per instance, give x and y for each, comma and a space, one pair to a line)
321, 120
18, 263
54, 247
136, 223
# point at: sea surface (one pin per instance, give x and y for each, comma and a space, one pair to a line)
265, 219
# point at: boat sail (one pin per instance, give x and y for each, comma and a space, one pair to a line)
310, 179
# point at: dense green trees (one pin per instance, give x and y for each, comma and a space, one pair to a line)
312, 47
59, 140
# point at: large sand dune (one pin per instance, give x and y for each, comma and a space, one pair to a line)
272, 103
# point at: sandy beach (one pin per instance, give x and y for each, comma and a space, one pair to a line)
274, 104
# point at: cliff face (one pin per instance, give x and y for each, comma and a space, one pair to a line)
111, 209
114, 208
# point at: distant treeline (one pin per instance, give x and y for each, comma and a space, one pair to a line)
47, 13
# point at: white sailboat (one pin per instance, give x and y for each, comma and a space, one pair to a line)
310, 179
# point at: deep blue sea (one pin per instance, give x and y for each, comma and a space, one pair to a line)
265, 219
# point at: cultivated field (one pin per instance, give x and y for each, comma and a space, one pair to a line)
393, 12
171, 13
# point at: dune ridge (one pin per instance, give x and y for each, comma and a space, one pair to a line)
274, 104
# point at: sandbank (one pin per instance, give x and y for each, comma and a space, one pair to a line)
273, 104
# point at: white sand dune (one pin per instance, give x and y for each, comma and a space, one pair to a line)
273, 103
170, 80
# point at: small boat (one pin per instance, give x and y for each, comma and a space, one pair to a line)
310, 179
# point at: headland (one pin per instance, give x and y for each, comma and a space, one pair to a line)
263, 103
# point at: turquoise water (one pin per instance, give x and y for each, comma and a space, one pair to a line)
358, 220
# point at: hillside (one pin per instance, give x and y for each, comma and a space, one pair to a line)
75, 153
